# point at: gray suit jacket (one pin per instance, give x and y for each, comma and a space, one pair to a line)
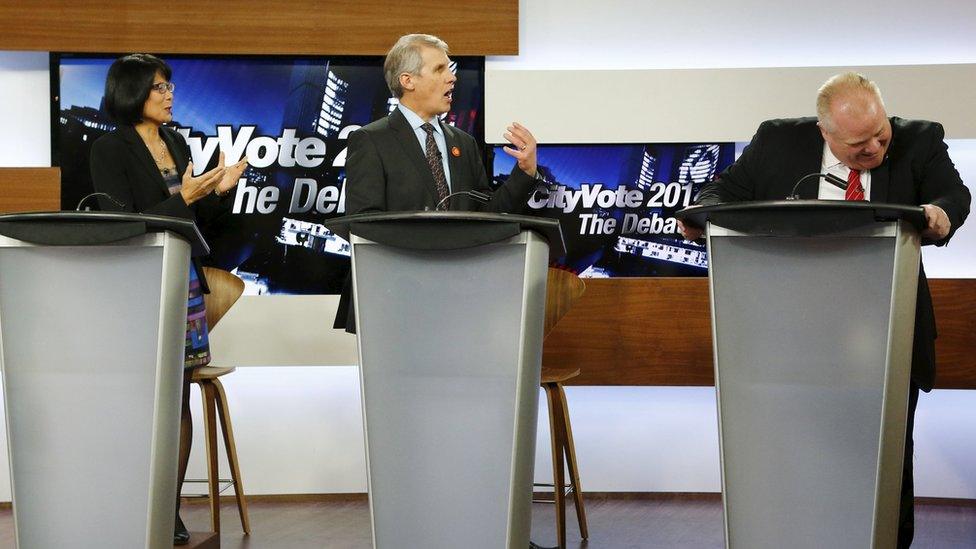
387, 171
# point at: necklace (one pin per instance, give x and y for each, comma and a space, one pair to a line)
158, 152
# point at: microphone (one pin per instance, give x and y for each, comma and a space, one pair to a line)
829, 177
106, 195
478, 196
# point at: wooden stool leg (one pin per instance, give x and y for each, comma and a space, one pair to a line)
558, 478
213, 473
231, 447
574, 480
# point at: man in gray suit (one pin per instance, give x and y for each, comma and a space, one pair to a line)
410, 160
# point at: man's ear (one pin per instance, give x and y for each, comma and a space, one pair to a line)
823, 131
406, 81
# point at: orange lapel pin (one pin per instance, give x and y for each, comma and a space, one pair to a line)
455, 152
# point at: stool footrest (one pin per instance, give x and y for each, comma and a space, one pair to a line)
223, 485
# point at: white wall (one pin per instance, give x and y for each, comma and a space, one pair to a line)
637, 34
958, 258
299, 429
303, 325
706, 105
25, 109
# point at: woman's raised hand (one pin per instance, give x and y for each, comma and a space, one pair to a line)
195, 188
231, 177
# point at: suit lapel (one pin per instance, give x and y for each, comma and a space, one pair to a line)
810, 161
144, 157
879, 182
881, 176
454, 162
411, 147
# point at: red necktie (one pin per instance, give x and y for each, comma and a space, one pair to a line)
854, 189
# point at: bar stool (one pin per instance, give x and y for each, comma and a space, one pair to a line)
563, 290
225, 290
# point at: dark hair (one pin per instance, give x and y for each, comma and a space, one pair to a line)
129, 83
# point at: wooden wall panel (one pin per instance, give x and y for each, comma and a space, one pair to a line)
955, 318
636, 331
30, 189
337, 27
646, 331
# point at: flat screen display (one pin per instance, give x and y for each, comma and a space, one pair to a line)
290, 116
616, 204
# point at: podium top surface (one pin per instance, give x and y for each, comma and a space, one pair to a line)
800, 217
69, 228
445, 230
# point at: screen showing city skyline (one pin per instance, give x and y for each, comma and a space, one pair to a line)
290, 116
616, 203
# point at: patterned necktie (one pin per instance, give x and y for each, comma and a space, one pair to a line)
854, 189
434, 161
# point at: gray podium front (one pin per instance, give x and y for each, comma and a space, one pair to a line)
813, 311
92, 329
449, 314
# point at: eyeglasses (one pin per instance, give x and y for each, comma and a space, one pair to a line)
163, 87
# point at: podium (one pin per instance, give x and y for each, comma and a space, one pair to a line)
813, 311
449, 315
92, 329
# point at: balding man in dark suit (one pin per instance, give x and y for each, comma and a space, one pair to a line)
884, 159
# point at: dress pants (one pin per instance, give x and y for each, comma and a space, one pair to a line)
906, 517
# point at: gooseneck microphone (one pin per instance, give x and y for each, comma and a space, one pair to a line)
106, 195
829, 177
478, 196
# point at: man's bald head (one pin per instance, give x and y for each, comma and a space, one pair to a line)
853, 120
842, 87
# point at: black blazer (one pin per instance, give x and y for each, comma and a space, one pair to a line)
917, 170
387, 171
123, 168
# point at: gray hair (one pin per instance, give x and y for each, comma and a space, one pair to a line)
840, 84
405, 57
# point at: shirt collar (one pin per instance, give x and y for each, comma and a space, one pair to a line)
829, 160
415, 121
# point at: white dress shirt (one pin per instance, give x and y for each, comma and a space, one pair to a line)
416, 122
831, 165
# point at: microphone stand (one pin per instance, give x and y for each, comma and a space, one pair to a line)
109, 197
478, 196
829, 177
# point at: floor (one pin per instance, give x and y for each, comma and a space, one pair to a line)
665, 521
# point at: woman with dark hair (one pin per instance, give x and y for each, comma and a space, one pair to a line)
144, 166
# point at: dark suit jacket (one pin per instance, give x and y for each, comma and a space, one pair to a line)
387, 171
917, 170
122, 167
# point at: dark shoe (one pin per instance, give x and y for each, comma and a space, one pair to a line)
181, 536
